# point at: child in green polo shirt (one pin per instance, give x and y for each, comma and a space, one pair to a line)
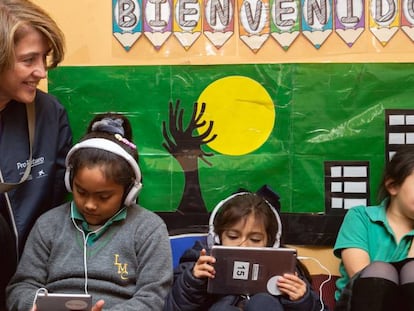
374, 244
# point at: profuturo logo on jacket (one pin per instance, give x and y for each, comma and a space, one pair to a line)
38, 173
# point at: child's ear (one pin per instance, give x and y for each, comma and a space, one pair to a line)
391, 187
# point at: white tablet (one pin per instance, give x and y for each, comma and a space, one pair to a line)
250, 270
63, 302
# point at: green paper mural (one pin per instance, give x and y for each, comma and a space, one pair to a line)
322, 113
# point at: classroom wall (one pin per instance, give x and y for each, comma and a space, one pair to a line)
87, 25
88, 28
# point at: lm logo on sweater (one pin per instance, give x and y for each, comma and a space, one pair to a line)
122, 268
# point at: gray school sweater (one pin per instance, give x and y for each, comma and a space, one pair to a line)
129, 266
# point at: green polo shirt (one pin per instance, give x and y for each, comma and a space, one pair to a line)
367, 228
91, 235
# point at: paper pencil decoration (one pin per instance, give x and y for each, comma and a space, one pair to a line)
126, 21
285, 22
317, 20
157, 21
254, 25
407, 18
187, 21
349, 20
218, 22
384, 20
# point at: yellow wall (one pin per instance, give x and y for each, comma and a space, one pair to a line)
88, 28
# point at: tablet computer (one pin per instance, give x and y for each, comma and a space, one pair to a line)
63, 302
250, 270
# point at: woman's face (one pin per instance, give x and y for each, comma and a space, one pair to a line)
248, 232
20, 81
96, 197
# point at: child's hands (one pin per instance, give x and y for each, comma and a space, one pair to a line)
292, 285
98, 305
203, 268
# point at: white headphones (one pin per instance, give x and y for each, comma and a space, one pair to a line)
213, 238
108, 145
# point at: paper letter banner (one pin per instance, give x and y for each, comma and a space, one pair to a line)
384, 19
157, 21
254, 22
285, 21
219, 21
215, 24
317, 20
126, 21
187, 21
349, 19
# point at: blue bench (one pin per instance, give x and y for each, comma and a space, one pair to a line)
181, 242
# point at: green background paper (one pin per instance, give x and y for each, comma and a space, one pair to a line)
324, 112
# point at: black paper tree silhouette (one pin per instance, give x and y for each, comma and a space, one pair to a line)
184, 143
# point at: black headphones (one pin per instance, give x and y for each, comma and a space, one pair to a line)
108, 145
213, 238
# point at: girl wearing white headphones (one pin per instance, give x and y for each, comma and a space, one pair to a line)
102, 243
244, 219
